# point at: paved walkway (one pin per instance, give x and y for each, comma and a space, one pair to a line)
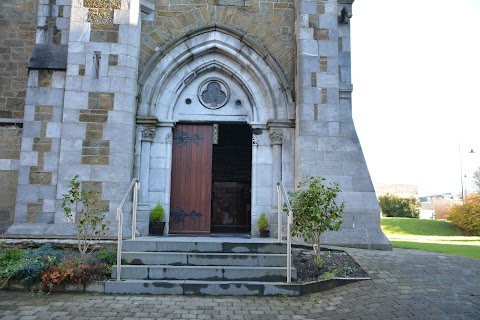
406, 284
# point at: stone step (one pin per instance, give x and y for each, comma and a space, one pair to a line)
192, 287
205, 259
159, 245
207, 273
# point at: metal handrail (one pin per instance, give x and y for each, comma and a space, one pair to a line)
281, 192
135, 184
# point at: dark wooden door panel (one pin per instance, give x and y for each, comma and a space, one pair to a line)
190, 204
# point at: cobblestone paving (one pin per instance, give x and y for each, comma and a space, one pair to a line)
406, 284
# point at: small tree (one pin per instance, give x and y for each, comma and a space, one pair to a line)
395, 206
82, 209
315, 210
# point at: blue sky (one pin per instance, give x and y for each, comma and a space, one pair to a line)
415, 74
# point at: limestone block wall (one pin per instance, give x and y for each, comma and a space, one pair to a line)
326, 140
100, 104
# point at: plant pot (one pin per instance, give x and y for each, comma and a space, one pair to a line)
264, 233
156, 228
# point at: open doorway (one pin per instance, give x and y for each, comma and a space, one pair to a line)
231, 178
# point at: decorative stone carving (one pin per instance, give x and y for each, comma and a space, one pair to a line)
344, 16
169, 138
276, 136
254, 140
213, 93
148, 134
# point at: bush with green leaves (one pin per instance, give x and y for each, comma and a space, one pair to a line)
395, 206
315, 210
466, 217
82, 208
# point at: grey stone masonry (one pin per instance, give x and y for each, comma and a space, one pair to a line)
326, 143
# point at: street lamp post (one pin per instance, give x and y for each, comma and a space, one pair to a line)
464, 191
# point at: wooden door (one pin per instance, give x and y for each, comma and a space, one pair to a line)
190, 202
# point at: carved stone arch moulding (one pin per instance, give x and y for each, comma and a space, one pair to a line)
163, 75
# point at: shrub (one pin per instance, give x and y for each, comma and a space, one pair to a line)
315, 210
262, 222
27, 265
108, 256
37, 260
157, 214
394, 206
466, 217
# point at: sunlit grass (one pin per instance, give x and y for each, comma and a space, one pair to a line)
430, 235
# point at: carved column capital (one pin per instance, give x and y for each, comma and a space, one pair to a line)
276, 136
148, 134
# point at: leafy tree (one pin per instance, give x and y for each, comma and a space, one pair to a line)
316, 210
466, 217
395, 206
82, 208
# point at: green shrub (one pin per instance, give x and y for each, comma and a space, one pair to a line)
108, 256
394, 206
157, 214
262, 222
466, 217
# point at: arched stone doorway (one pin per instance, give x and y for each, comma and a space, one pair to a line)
213, 76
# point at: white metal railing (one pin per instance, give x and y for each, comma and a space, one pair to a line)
281, 192
135, 185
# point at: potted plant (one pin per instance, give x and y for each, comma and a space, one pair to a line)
262, 225
157, 220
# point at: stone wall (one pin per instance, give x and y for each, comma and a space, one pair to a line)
17, 22
270, 23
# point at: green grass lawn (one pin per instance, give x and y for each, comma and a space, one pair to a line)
418, 227
429, 235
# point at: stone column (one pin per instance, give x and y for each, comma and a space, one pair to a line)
148, 133
276, 136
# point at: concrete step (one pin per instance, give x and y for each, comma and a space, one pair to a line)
192, 287
205, 259
159, 245
206, 273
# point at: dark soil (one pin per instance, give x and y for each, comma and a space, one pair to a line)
333, 264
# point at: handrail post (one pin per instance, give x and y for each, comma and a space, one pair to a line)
119, 245
279, 205
281, 188
135, 184
134, 208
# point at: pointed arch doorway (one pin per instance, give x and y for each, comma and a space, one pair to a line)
215, 76
211, 178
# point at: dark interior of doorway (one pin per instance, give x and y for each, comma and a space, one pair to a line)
231, 179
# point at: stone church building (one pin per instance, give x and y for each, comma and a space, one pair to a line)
209, 103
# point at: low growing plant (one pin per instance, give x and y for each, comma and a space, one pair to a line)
11, 259
37, 260
82, 208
